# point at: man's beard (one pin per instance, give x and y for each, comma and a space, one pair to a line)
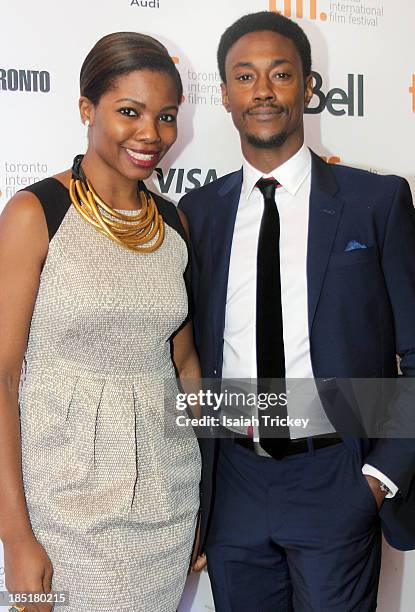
274, 141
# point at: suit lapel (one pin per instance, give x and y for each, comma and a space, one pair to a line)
325, 211
223, 215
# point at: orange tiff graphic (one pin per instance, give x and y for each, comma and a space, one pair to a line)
331, 159
295, 8
412, 91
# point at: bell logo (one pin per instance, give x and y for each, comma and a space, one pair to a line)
287, 8
336, 98
412, 91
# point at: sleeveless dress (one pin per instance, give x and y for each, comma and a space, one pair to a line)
112, 493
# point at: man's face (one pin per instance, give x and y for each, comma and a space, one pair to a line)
265, 91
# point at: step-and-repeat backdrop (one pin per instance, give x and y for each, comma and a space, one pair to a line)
363, 113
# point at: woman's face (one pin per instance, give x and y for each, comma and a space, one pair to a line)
134, 123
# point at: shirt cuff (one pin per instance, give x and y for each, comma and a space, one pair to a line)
369, 470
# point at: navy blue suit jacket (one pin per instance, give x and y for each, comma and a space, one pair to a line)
361, 304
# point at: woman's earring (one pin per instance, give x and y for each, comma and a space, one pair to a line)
86, 122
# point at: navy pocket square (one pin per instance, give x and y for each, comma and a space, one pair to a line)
353, 245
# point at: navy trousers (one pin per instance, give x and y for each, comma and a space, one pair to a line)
298, 534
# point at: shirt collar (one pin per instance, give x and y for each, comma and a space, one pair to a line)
291, 174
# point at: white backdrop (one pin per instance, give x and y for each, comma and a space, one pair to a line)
368, 121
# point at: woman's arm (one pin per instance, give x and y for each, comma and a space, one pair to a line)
188, 368
23, 248
185, 356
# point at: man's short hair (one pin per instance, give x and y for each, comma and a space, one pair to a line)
265, 21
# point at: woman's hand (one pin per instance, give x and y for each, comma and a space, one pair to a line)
28, 569
197, 562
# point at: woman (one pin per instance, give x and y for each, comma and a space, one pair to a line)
99, 502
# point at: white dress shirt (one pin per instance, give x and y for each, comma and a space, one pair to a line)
239, 351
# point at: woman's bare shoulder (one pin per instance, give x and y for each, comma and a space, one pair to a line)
23, 222
24, 207
64, 177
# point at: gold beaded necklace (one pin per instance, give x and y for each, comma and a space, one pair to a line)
131, 231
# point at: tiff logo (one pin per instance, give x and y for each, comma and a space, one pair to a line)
289, 10
412, 91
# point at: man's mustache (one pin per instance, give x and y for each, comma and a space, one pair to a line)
272, 109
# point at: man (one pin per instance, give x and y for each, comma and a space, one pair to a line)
295, 523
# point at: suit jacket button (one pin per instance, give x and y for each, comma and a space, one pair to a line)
215, 372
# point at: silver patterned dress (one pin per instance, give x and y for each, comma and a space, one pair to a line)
112, 499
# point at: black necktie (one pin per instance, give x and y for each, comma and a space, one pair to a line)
269, 330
